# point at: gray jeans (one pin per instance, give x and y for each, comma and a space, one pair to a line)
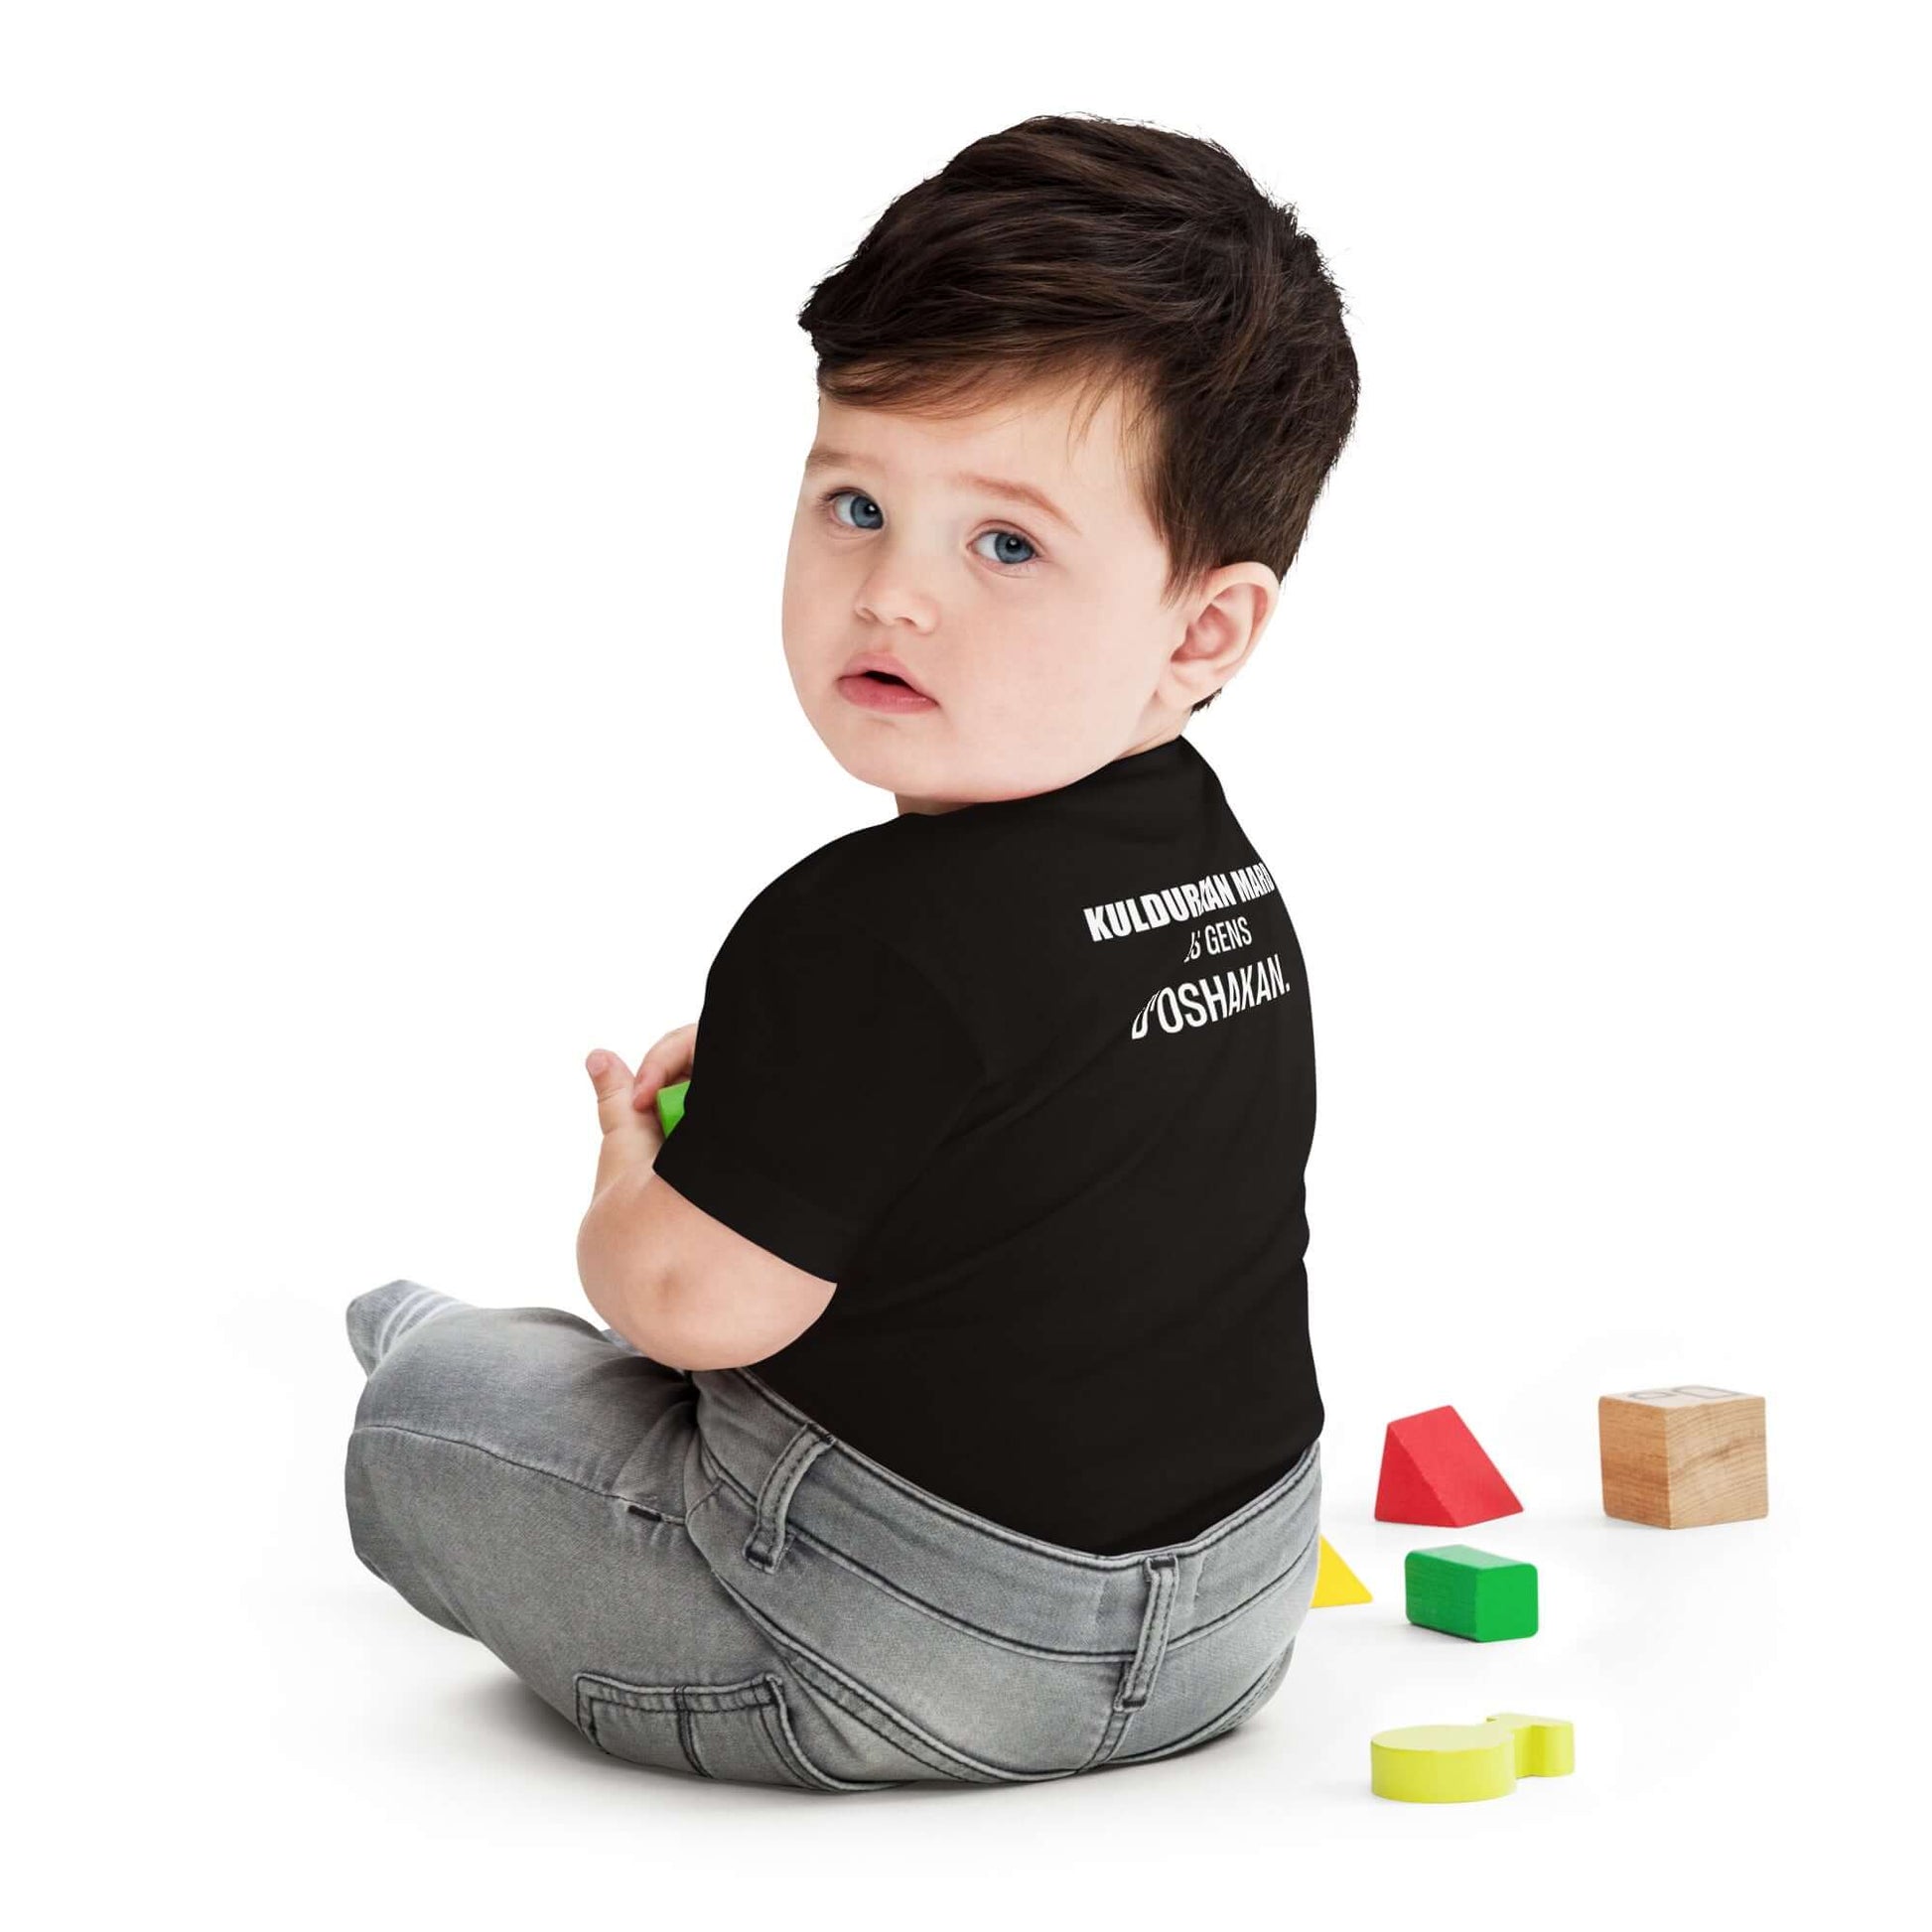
702, 1578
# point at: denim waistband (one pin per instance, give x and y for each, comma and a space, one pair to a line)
806, 1481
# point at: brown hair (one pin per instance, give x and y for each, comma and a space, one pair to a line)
1113, 254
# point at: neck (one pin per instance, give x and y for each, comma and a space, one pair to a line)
931, 807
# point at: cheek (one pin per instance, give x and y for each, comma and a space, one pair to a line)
1074, 660
812, 597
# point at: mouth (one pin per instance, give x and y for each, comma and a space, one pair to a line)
884, 691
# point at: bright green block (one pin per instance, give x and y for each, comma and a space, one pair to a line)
1470, 1593
670, 1104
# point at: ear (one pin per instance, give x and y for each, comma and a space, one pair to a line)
1231, 611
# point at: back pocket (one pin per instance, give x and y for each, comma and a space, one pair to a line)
739, 1732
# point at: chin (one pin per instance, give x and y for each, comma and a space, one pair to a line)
870, 753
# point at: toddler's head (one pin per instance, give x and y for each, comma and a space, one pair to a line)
1078, 393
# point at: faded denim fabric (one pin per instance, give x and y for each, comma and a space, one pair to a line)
703, 1580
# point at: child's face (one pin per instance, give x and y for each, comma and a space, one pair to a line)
1043, 642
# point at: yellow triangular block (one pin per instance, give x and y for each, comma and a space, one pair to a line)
1335, 1583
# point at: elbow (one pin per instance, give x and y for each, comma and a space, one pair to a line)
680, 1330
669, 1328
641, 1316
626, 1280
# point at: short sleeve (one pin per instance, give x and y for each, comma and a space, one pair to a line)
827, 1071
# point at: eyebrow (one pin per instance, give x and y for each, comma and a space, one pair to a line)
827, 459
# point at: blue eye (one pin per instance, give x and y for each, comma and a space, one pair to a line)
1008, 536
833, 499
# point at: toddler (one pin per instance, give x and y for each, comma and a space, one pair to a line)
955, 1416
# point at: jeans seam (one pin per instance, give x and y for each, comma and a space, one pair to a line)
796, 1532
796, 1650
872, 1577
1219, 1726
884, 1737
498, 1456
651, 1511
1214, 1625
694, 1704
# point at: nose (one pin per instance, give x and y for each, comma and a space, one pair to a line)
892, 596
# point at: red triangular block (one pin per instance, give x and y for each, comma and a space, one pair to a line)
1434, 1472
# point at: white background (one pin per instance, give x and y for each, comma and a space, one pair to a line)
402, 413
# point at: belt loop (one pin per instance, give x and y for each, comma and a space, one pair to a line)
768, 1542
1160, 1572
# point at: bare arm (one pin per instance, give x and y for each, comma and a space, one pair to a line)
679, 1286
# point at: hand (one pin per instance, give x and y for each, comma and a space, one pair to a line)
631, 1138
667, 1062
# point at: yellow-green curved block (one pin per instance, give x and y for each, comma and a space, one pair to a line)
1442, 1764
1451, 1764
670, 1104
1545, 1747
1335, 1582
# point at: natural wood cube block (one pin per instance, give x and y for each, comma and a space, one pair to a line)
1682, 1456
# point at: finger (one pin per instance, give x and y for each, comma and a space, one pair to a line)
668, 1060
611, 1079
651, 1080
630, 1140
668, 1051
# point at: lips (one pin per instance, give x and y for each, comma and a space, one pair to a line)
870, 692
880, 667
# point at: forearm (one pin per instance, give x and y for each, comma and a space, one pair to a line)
616, 1268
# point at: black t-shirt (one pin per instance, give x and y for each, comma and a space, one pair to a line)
1032, 1080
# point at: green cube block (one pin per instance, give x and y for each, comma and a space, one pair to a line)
670, 1104
1470, 1593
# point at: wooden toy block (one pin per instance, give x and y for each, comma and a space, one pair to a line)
670, 1104
1434, 1472
1470, 1593
1683, 1456
1335, 1583
1447, 1764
